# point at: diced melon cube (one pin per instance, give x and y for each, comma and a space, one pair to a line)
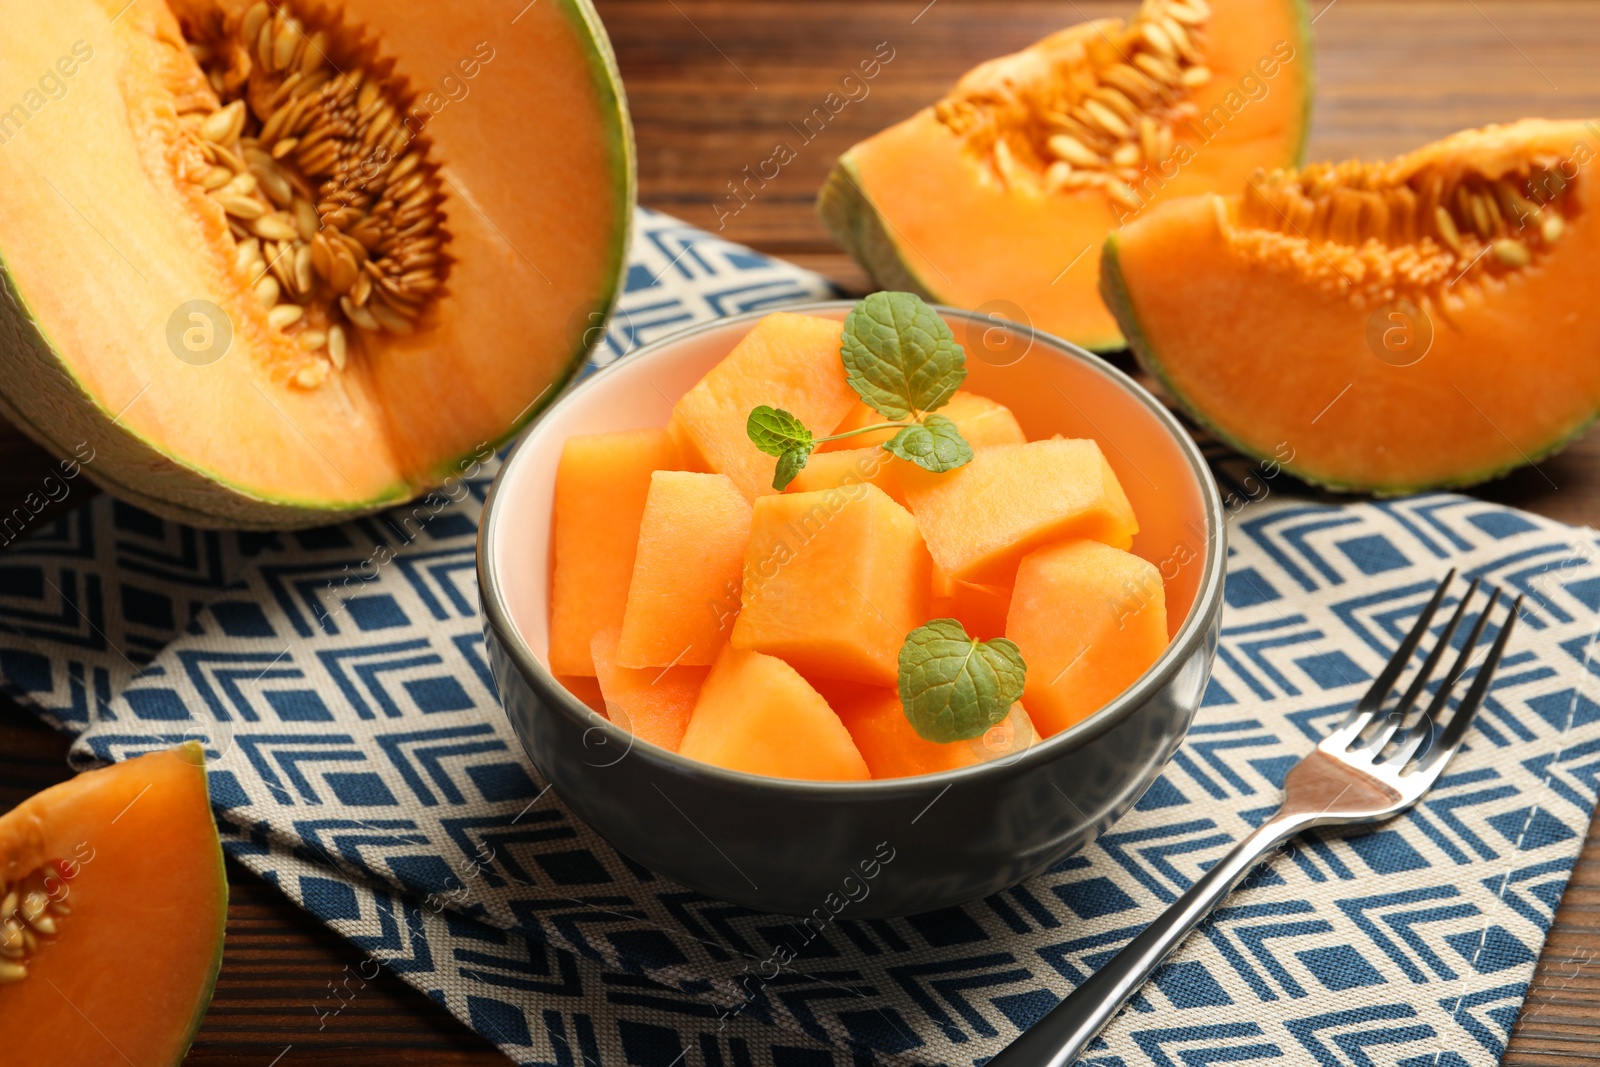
601, 484
853, 466
756, 714
893, 748
654, 703
981, 609
1089, 620
833, 582
786, 361
980, 519
982, 422
685, 588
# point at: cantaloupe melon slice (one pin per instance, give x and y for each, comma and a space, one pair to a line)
757, 714
601, 485
117, 878
654, 704
1089, 620
981, 421
981, 609
174, 260
833, 582
980, 519
893, 749
786, 361
848, 468
997, 196
684, 593
1393, 326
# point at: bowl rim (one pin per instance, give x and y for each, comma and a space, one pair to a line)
1193, 631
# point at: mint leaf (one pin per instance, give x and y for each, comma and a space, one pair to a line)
899, 354
953, 687
775, 431
789, 465
935, 444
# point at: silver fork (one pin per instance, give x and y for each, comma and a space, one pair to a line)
1350, 777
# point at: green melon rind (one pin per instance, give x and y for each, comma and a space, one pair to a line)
190, 493
196, 752
1114, 291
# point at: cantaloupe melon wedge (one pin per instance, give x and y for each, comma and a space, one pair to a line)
980, 519
981, 609
1089, 620
757, 714
981, 421
266, 318
653, 704
893, 749
602, 481
786, 361
1392, 326
684, 594
849, 468
833, 582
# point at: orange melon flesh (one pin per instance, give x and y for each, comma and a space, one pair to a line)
981, 609
685, 588
138, 953
925, 209
981, 421
786, 361
893, 748
1089, 619
601, 485
833, 582
848, 468
653, 704
980, 519
1209, 305
758, 715
586, 689
104, 242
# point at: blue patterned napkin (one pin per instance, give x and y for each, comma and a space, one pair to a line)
360, 762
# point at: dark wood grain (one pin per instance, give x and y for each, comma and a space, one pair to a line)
714, 86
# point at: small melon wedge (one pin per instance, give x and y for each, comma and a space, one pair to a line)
654, 704
786, 361
833, 582
981, 609
982, 422
980, 519
1089, 620
893, 748
852, 466
756, 714
601, 485
685, 588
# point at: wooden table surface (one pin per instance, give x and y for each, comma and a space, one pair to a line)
713, 86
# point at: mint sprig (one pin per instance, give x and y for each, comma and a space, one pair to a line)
954, 687
903, 361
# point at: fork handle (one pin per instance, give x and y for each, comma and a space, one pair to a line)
1060, 1037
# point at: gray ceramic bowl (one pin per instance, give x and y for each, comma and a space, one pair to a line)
883, 847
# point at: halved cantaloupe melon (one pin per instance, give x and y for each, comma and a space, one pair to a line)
281, 264
757, 714
684, 594
602, 481
980, 519
653, 703
999, 193
115, 900
833, 582
893, 749
786, 361
1427, 321
1089, 619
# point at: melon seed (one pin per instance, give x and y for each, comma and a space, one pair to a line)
1073, 151
12, 972
285, 315
1511, 252
1447, 229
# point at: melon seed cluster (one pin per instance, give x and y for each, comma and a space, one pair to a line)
27, 912
330, 196
1375, 230
1106, 113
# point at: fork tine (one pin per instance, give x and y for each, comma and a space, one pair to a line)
1368, 705
1414, 690
1467, 710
